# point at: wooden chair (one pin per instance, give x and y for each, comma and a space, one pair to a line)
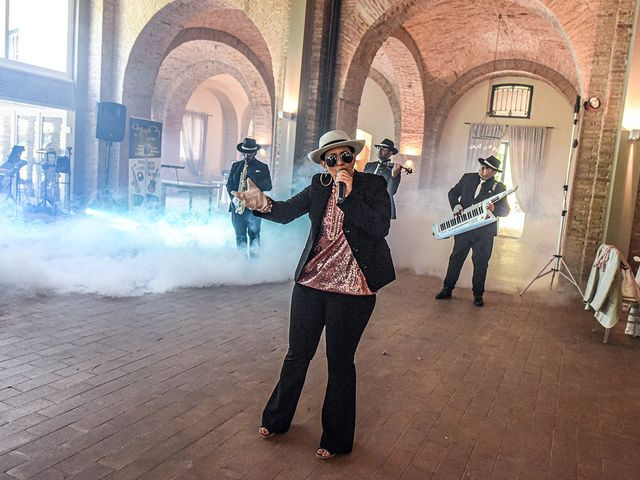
631, 303
612, 290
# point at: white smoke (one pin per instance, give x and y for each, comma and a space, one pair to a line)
117, 255
114, 255
515, 262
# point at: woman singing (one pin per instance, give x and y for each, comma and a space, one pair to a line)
345, 262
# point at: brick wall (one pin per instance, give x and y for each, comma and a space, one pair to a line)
403, 57
576, 46
429, 52
129, 50
598, 137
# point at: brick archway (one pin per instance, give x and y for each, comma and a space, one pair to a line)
169, 47
230, 134
225, 39
545, 23
182, 89
174, 88
398, 62
392, 97
555, 34
530, 20
440, 111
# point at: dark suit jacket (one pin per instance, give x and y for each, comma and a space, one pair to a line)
462, 193
366, 224
257, 171
392, 182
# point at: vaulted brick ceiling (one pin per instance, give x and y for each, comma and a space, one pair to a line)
194, 62
454, 37
227, 36
236, 23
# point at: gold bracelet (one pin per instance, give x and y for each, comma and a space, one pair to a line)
267, 207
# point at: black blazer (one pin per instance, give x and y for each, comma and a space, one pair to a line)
366, 223
384, 170
462, 193
257, 171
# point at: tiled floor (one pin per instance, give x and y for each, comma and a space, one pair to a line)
172, 386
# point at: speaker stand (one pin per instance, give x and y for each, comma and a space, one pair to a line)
105, 197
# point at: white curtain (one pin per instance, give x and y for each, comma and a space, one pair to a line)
484, 140
194, 134
526, 146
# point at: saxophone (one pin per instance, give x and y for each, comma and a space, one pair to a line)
242, 187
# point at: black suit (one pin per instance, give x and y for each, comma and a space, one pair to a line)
479, 240
247, 224
384, 170
366, 224
344, 317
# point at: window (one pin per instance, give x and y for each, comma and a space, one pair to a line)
51, 132
38, 33
511, 100
513, 224
36, 129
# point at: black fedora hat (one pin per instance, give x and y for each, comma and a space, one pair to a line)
491, 162
386, 143
248, 145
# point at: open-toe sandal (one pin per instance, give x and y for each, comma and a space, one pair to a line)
324, 454
265, 433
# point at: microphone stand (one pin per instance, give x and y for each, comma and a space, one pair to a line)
557, 263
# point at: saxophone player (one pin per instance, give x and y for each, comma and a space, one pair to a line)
244, 222
473, 188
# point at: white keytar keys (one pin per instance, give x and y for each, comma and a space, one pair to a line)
475, 216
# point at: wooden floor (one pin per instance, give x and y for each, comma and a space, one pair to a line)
172, 386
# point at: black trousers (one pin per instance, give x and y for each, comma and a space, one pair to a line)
345, 318
247, 225
482, 246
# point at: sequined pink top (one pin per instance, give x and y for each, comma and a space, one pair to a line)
333, 267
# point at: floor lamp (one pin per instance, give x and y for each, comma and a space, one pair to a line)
557, 265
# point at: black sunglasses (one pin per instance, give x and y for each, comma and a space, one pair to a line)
332, 160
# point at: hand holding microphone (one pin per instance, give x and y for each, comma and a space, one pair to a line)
344, 181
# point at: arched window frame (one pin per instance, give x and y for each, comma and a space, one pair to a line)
511, 100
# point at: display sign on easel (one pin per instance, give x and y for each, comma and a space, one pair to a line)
144, 183
145, 142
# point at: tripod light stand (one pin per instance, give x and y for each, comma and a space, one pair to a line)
556, 265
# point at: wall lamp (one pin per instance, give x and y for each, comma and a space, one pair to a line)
287, 115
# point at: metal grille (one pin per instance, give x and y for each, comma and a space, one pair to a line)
511, 100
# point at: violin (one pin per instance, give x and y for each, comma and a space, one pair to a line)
408, 170
390, 165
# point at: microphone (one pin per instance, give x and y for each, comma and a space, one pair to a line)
341, 187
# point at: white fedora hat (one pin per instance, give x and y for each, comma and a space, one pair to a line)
333, 139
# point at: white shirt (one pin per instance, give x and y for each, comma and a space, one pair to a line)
479, 187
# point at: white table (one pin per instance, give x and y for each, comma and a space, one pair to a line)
216, 187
